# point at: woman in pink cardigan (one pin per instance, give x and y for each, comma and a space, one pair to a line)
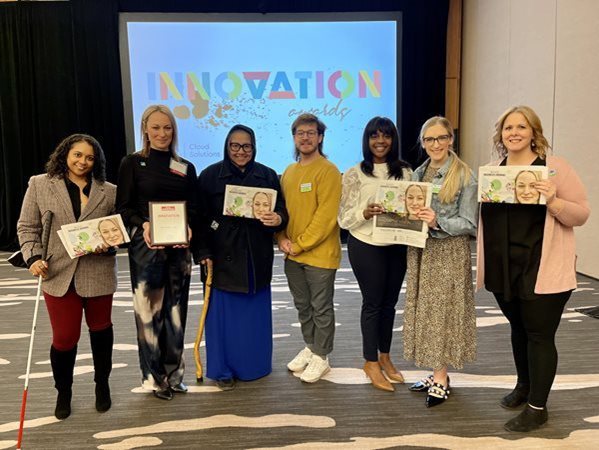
526, 258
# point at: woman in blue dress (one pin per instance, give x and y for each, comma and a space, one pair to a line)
239, 320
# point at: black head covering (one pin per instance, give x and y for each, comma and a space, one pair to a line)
226, 157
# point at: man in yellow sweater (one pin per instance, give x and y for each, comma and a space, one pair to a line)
312, 189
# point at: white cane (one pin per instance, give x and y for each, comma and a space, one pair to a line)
45, 236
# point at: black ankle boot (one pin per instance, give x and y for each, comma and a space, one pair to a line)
528, 420
63, 404
101, 343
517, 397
103, 400
63, 364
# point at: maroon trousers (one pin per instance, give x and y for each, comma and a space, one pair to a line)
66, 313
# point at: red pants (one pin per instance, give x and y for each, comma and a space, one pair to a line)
66, 313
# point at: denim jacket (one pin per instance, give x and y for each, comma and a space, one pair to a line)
461, 215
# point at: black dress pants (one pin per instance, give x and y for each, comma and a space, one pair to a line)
380, 272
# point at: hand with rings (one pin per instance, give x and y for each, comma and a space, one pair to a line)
39, 268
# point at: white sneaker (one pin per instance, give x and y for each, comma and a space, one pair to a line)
300, 361
316, 369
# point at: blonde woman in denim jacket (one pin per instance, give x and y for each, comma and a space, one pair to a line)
439, 315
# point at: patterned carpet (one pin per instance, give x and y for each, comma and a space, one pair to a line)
342, 411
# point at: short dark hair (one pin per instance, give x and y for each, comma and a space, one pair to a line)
57, 163
394, 163
307, 119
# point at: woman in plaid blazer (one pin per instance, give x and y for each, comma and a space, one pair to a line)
73, 189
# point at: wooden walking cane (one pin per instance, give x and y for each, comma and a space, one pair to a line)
196, 347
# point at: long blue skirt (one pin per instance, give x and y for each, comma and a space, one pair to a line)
239, 335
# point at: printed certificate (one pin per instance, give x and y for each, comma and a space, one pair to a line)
168, 223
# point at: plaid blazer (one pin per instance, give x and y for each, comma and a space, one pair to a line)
92, 275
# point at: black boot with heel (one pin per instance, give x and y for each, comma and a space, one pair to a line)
63, 364
101, 343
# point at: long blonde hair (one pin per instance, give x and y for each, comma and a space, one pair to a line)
539, 143
145, 141
458, 174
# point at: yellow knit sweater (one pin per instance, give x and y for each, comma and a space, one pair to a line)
312, 194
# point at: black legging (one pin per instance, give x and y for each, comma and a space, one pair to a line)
380, 272
534, 324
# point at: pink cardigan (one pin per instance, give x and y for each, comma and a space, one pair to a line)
557, 271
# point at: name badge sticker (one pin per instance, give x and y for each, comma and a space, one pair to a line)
178, 168
305, 187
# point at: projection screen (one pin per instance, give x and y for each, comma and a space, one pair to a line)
218, 70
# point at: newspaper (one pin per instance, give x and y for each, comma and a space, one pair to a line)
511, 184
401, 200
83, 238
251, 202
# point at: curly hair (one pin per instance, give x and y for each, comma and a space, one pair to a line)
57, 163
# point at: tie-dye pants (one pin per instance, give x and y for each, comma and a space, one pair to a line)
160, 282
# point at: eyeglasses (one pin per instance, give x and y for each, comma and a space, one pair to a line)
310, 134
443, 139
236, 147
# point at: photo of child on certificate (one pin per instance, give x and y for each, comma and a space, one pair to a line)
401, 201
250, 202
511, 184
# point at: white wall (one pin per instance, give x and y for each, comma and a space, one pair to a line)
541, 53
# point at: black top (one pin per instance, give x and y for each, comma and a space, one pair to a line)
512, 240
142, 180
75, 195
